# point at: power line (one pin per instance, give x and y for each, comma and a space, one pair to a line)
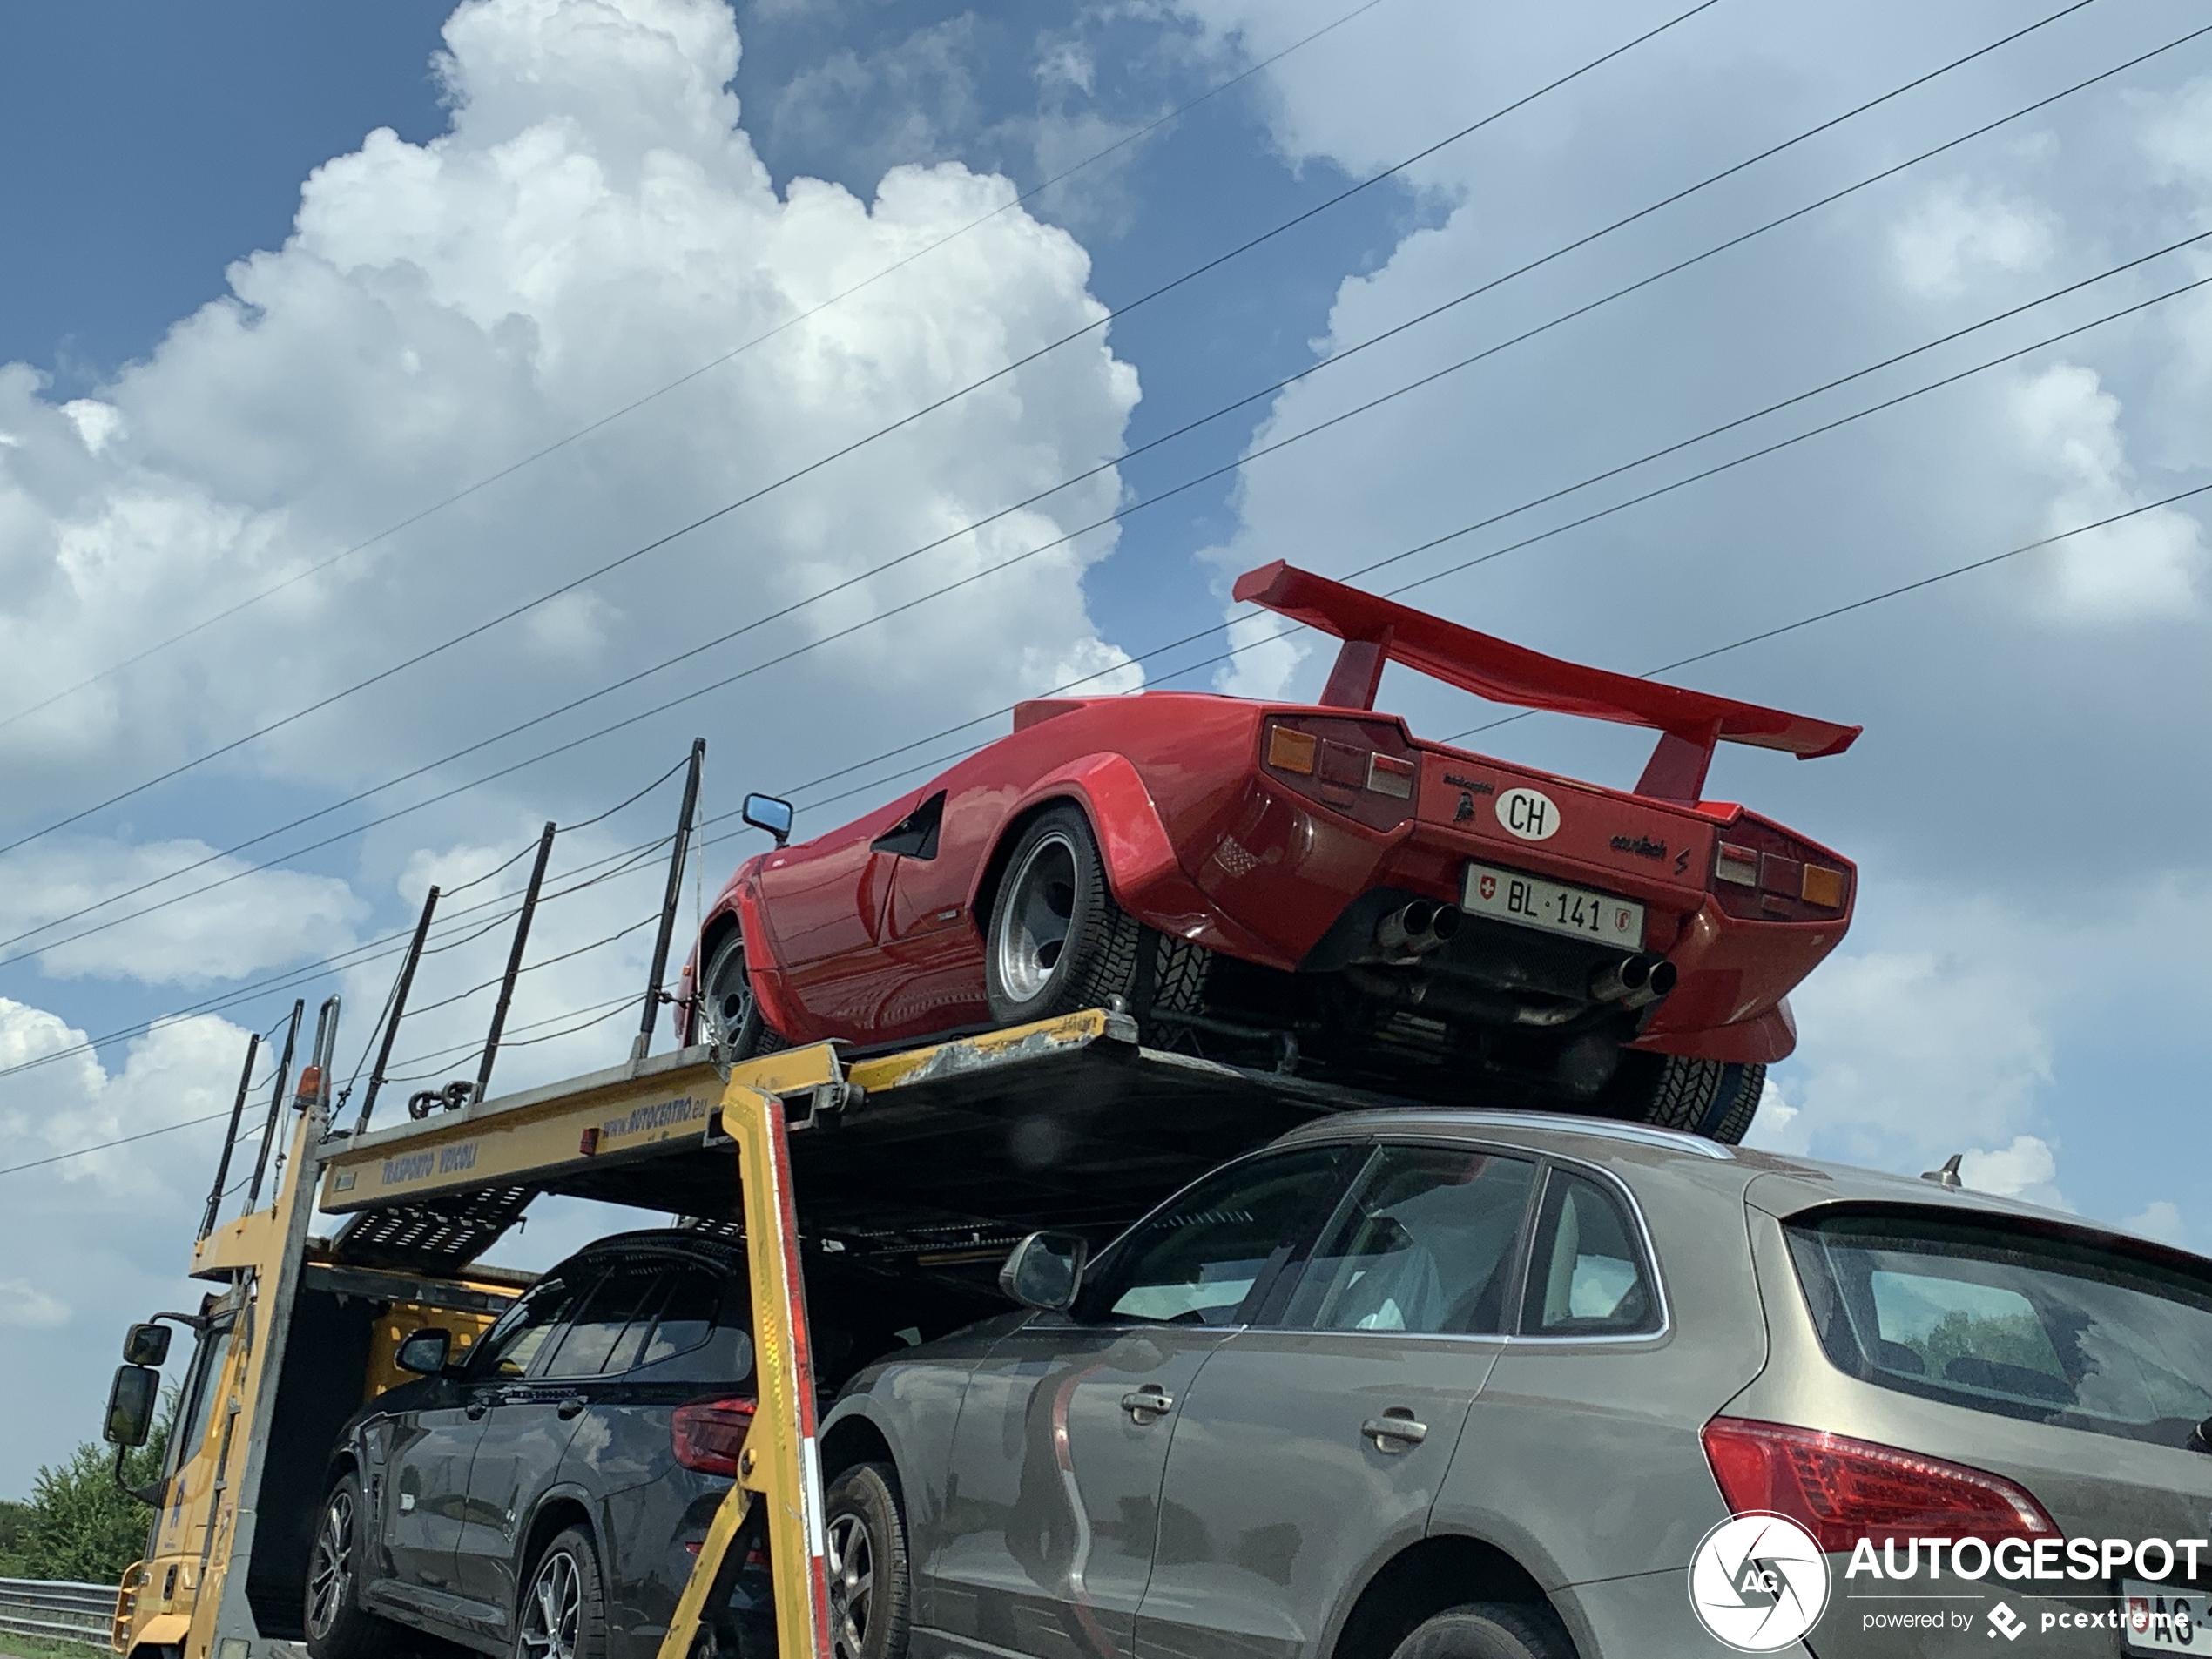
1118, 514
1809, 621
1426, 546
630, 407
379, 949
900, 424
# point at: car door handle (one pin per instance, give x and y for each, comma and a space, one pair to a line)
476, 1408
569, 1406
1395, 1431
1148, 1405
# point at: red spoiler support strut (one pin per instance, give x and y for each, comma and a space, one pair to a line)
1375, 631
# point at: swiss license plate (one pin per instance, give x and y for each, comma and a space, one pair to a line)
2158, 1618
1511, 896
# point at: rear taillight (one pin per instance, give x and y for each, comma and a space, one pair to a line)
709, 1434
1842, 1490
1764, 873
1366, 771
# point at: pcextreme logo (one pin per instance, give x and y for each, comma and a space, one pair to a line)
1758, 1582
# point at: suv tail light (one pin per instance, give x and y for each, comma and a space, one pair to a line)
1842, 1490
1366, 771
1764, 874
709, 1433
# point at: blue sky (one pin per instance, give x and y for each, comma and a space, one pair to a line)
281, 281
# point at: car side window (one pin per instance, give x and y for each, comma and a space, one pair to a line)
522, 1332
1587, 1275
1424, 1244
622, 1300
1206, 1255
705, 1331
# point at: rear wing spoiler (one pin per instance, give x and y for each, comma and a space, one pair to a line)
1375, 631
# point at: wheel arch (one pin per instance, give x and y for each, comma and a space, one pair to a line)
1132, 839
1443, 1570
558, 1510
856, 1437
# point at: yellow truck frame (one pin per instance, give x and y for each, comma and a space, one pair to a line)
420, 1199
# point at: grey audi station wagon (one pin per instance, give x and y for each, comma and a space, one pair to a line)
1473, 1386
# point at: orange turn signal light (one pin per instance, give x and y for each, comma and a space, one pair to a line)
1824, 886
1292, 750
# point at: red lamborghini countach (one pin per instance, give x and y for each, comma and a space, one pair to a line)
1312, 887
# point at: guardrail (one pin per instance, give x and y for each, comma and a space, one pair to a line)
58, 1610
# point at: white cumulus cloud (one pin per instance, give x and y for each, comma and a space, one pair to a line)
23, 1303
1956, 234
2147, 566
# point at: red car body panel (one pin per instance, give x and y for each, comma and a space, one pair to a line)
1204, 839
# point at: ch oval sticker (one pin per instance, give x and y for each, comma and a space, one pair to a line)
1528, 814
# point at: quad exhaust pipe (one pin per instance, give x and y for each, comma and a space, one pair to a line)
1415, 930
1634, 981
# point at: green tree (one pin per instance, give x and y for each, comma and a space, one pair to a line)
13, 1517
79, 1524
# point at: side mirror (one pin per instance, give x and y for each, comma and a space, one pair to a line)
147, 1345
131, 1401
424, 1352
1045, 1271
769, 813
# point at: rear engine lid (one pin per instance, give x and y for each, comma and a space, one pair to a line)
1522, 814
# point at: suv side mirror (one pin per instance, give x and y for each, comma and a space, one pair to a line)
130, 1400
1045, 1271
147, 1345
424, 1352
769, 813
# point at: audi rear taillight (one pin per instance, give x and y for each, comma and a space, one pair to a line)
709, 1433
1764, 873
1364, 770
1842, 1490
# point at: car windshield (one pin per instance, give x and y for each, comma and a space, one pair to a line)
2018, 1322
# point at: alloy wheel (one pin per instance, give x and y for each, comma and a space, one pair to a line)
852, 1578
1035, 923
553, 1609
729, 995
330, 1574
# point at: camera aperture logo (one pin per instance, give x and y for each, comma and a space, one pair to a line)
1758, 1582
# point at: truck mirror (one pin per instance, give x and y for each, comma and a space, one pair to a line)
768, 812
130, 1400
147, 1345
1045, 1271
424, 1352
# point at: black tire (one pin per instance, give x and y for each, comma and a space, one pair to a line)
729, 1014
561, 1612
864, 1535
1738, 1102
1488, 1630
330, 1611
1716, 1098
1056, 942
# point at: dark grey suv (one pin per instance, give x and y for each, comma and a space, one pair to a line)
1468, 1385
545, 1495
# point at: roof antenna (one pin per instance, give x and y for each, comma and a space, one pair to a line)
1948, 1175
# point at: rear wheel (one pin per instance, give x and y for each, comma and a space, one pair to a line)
562, 1613
336, 1626
732, 1013
865, 1556
1716, 1098
1056, 941
1488, 1630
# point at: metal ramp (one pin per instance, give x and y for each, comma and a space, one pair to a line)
940, 1156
